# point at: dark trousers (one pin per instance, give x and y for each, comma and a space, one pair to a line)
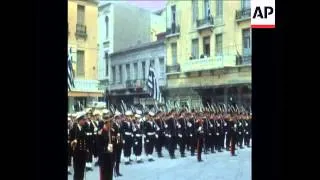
159, 142
171, 145
247, 139
217, 144
228, 138
137, 146
233, 144
223, 137
117, 154
240, 140
149, 144
199, 148
106, 168
182, 144
79, 163
127, 145
69, 155
193, 144
188, 139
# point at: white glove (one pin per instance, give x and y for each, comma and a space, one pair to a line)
169, 135
240, 124
218, 125
217, 134
199, 129
180, 135
226, 132
225, 124
123, 141
239, 132
136, 143
165, 126
158, 129
189, 124
246, 124
190, 135
247, 132
211, 125
179, 126
235, 126
210, 134
131, 135
110, 147
147, 140
157, 136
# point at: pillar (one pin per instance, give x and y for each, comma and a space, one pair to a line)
239, 100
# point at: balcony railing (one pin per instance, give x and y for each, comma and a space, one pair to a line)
86, 85
135, 84
173, 68
173, 31
243, 60
243, 14
205, 23
81, 31
201, 64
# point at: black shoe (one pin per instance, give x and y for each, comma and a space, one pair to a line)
172, 157
205, 152
241, 147
182, 155
96, 164
200, 160
249, 146
127, 163
219, 150
192, 154
150, 160
233, 155
69, 173
118, 174
140, 161
130, 160
213, 151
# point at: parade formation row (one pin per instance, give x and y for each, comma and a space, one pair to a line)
104, 134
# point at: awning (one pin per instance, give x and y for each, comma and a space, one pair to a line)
85, 94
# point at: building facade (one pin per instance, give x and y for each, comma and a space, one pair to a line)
121, 26
129, 73
82, 39
208, 48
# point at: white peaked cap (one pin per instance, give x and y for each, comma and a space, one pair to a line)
105, 111
80, 114
117, 113
88, 110
96, 113
138, 112
69, 119
128, 113
137, 116
74, 115
151, 113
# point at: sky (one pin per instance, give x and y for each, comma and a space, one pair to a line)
150, 5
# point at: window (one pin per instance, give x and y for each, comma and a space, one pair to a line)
206, 9
245, 4
143, 70
152, 63
80, 63
107, 60
219, 8
174, 53
161, 67
173, 11
135, 69
206, 46
218, 44
194, 10
80, 14
246, 41
195, 48
107, 27
120, 74
128, 71
113, 74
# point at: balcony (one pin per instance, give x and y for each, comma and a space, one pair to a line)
81, 31
201, 64
243, 14
205, 23
86, 85
243, 60
173, 31
173, 69
117, 86
135, 84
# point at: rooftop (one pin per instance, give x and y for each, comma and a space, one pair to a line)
138, 47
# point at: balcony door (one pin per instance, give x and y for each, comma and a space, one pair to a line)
246, 38
245, 4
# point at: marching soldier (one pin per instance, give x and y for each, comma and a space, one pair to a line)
160, 136
227, 131
218, 134
79, 146
127, 137
192, 133
137, 139
69, 145
247, 129
200, 137
91, 132
240, 131
150, 132
181, 134
106, 141
171, 131
118, 142
95, 124
233, 134
211, 133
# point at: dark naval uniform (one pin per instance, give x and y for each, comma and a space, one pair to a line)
80, 152
247, 132
170, 134
181, 135
233, 136
117, 147
137, 140
200, 138
106, 157
150, 132
127, 140
191, 131
91, 131
211, 134
218, 135
240, 131
160, 136
227, 130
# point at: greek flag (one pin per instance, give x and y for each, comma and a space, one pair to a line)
70, 71
153, 85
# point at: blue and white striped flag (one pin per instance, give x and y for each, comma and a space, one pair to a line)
70, 70
153, 85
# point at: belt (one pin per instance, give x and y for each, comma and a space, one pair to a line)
150, 134
138, 135
127, 133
